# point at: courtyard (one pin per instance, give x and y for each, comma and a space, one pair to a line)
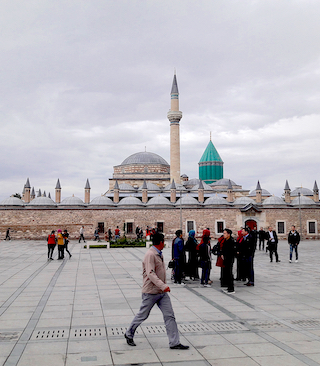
75, 311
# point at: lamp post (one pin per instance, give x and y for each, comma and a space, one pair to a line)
299, 195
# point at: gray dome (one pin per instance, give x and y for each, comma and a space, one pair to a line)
303, 191
42, 201
126, 187
178, 187
303, 201
216, 200
159, 201
12, 201
273, 200
151, 187
243, 201
191, 182
102, 201
265, 193
205, 186
72, 201
223, 182
187, 200
144, 158
130, 201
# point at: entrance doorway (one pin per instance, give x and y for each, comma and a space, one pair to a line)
251, 224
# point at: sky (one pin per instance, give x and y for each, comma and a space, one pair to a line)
85, 84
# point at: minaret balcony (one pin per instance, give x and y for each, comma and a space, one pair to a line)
174, 116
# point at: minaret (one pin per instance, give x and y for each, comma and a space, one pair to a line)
258, 193
144, 192
116, 190
27, 189
33, 194
58, 191
174, 116
173, 192
315, 192
229, 192
287, 191
87, 192
201, 192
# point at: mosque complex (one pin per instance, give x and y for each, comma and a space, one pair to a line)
146, 190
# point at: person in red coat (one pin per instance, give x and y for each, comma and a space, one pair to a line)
51, 244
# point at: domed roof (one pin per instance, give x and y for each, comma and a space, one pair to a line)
150, 187
223, 182
159, 201
191, 182
210, 154
302, 191
205, 186
126, 187
265, 193
130, 201
72, 201
273, 200
187, 200
179, 187
12, 201
303, 201
42, 201
216, 200
243, 201
102, 201
144, 158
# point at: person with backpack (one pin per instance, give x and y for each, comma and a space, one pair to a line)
52, 241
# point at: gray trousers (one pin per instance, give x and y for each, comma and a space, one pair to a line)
164, 303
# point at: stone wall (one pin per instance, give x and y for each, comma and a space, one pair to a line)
38, 223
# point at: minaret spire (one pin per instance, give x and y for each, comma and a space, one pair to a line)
174, 116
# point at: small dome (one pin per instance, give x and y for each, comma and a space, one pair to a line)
72, 201
223, 182
159, 201
303, 201
216, 200
191, 182
184, 176
265, 193
273, 200
205, 186
243, 201
179, 187
151, 187
187, 200
102, 201
12, 201
126, 187
302, 191
144, 158
130, 201
42, 201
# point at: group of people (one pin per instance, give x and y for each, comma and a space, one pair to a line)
62, 240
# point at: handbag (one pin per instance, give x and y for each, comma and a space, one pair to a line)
215, 249
171, 264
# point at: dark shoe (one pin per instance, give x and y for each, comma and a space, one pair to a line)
70, 256
278, 261
180, 346
51, 258
129, 341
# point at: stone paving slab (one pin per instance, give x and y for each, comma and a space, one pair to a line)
75, 311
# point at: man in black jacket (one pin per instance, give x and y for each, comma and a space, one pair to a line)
272, 244
249, 248
293, 240
262, 236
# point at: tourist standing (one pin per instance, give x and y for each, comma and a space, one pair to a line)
293, 240
117, 233
52, 241
8, 234
178, 257
248, 252
241, 261
138, 232
155, 291
227, 255
205, 261
109, 234
262, 237
81, 232
66, 241
191, 248
219, 262
60, 245
254, 234
272, 244
96, 234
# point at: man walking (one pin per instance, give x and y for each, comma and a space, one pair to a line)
272, 244
81, 231
155, 291
262, 236
8, 234
293, 240
248, 253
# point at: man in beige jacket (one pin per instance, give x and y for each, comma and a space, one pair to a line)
155, 291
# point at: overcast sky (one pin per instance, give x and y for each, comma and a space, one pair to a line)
85, 84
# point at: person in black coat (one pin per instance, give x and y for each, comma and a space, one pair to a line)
191, 248
262, 237
293, 240
272, 244
248, 253
227, 255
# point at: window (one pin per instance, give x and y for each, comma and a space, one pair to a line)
129, 227
190, 225
280, 227
312, 227
160, 226
101, 227
220, 225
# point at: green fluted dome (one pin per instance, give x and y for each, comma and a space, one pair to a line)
210, 165
210, 154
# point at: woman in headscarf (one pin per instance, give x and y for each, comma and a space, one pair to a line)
191, 248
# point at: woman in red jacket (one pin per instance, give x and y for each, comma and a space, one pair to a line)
51, 244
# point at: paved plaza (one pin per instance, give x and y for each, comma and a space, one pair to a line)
74, 312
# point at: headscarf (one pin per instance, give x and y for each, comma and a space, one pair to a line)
206, 233
192, 233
